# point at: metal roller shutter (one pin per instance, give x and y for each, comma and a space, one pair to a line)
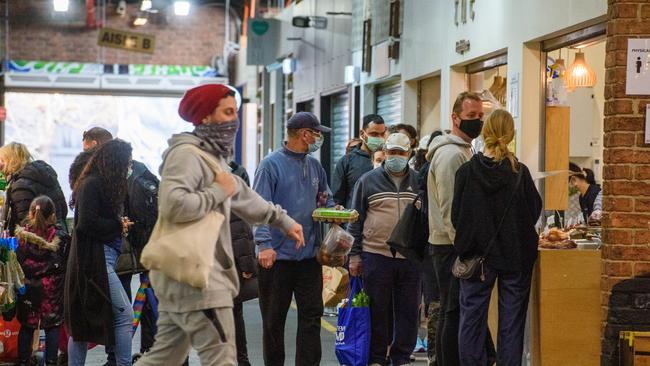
389, 102
340, 127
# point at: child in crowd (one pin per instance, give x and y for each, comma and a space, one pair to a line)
42, 254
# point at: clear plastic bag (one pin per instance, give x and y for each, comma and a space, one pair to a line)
337, 242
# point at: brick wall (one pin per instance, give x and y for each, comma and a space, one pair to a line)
35, 34
626, 224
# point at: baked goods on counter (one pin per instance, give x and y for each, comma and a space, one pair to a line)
556, 239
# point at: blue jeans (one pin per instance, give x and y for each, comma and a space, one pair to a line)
122, 319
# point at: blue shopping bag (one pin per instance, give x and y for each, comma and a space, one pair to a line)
353, 330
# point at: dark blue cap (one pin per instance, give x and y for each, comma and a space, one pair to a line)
306, 120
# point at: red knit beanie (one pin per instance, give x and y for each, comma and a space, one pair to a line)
199, 102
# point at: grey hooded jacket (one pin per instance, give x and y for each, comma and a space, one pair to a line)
187, 193
446, 154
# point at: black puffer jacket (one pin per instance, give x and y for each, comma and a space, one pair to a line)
35, 179
243, 244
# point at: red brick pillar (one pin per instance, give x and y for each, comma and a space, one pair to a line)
626, 223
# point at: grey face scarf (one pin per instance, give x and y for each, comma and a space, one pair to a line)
221, 136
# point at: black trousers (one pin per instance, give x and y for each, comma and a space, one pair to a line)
393, 323
514, 292
448, 323
277, 285
447, 339
240, 335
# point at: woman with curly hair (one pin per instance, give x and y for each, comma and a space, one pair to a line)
97, 309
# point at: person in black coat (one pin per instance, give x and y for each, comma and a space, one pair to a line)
243, 245
97, 308
28, 179
486, 193
429, 282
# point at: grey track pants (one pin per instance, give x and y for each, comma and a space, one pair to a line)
211, 332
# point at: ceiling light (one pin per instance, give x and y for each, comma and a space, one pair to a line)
121, 8
579, 74
182, 8
140, 20
146, 5
61, 5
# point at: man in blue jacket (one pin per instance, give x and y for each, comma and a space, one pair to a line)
296, 181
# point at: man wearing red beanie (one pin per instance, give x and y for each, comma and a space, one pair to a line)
202, 318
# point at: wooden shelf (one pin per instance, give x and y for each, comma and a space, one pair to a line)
558, 129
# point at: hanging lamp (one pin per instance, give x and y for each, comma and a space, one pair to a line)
579, 74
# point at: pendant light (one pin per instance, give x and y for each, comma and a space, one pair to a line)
579, 74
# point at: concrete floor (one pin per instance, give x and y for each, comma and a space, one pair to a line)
97, 356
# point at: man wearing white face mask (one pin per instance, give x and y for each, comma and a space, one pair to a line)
293, 179
380, 197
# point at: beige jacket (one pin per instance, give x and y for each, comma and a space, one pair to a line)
446, 154
187, 193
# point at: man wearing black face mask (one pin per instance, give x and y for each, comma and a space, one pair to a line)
446, 154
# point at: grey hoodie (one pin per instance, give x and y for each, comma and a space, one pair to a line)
187, 193
446, 154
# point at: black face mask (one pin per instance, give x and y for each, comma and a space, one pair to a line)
471, 127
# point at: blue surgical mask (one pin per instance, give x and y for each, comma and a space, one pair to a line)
316, 145
396, 164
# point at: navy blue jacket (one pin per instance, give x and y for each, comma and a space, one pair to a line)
348, 171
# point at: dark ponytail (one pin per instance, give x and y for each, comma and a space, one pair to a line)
42, 214
589, 175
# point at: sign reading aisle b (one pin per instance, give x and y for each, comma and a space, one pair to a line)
128, 41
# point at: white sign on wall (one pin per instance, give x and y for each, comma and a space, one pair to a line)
513, 94
638, 67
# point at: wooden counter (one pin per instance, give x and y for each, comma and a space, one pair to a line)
565, 305
564, 309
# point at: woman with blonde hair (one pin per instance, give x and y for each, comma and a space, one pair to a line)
28, 178
494, 211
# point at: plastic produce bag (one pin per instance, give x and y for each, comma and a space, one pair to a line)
9, 340
353, 329
337, 241
335, 248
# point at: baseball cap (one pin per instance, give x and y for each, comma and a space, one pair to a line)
424, 142
306, 120
398, 141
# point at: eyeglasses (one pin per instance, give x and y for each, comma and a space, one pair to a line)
315, 133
